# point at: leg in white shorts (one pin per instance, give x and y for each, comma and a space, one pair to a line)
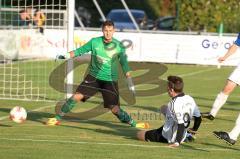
235, 75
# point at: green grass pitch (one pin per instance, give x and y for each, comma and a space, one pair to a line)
105, 137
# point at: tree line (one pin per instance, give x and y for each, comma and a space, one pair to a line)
194, 15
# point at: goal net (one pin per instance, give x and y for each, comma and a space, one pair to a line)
32, 33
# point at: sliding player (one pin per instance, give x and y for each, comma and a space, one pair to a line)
178, 114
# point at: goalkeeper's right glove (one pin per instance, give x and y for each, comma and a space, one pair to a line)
60, 57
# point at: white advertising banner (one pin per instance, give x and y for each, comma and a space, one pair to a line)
169, 48
165, 48
189, 49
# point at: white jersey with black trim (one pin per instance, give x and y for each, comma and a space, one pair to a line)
180, 110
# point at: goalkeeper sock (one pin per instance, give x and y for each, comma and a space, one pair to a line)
218, 103
124, 117
67, 107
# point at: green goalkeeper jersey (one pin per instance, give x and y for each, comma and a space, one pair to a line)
105, 58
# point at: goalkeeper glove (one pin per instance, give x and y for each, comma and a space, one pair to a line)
131, 86
60, 57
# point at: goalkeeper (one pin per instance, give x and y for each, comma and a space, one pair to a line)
106, 51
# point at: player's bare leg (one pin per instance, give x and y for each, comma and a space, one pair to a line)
220, 100
141, 135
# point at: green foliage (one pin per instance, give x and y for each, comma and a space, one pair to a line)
163, 7
197, 15
194, 15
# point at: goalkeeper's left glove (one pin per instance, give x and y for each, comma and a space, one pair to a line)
130, 84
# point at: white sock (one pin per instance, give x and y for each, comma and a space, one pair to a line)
236, 130
218, 103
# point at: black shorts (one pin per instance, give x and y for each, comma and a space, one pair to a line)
155, 135
109, 89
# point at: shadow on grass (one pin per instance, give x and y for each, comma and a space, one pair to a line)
33, 116
5, 110
231, 103
192, 148
227, 147
4, 125
117, 129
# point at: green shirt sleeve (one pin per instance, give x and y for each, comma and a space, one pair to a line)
123, 61
83, 49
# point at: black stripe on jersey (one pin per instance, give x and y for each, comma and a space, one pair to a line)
172, 108
180, 132
172, 105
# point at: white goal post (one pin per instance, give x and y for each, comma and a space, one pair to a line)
70, 44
